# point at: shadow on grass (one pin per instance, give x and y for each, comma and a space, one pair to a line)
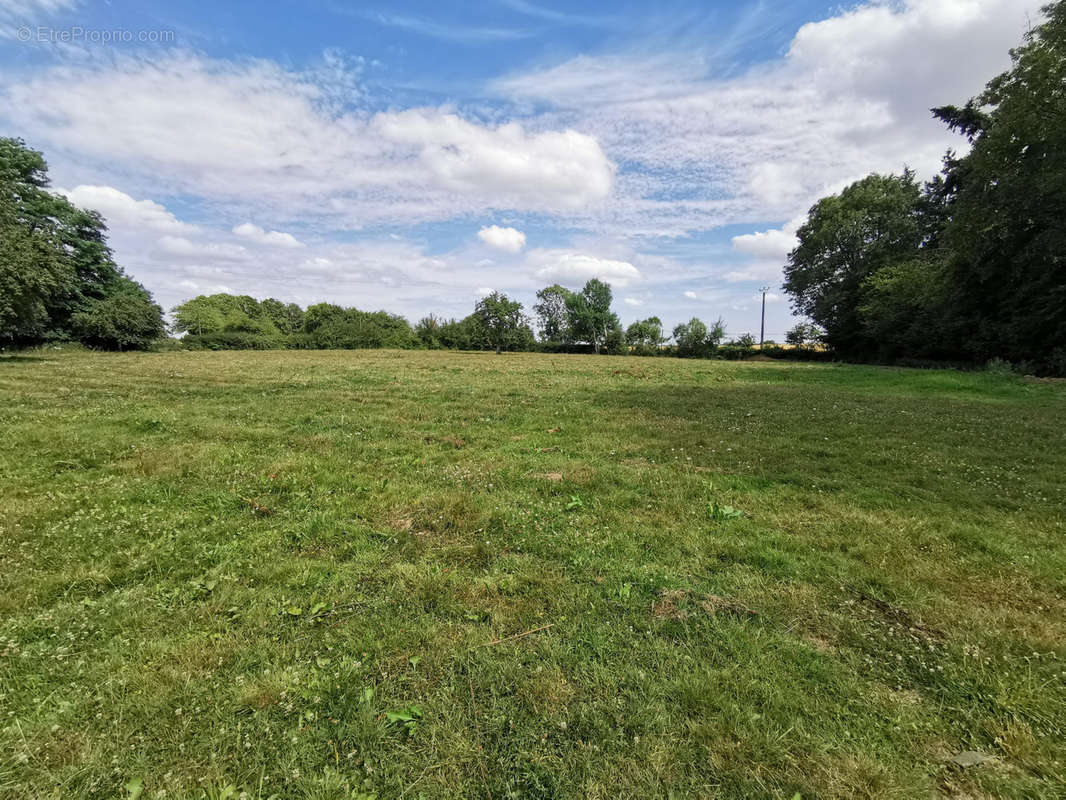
20, 359
874, 446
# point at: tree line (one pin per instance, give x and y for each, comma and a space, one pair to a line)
967, 267
567, 321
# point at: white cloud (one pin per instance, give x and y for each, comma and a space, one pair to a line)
200, 288
274, 238
318, 265
774, 244
509, 240
484, 291
632, 301
851, 95
766, 244
764, 271
715, 296
768, 251
576, 268
768, 183
182, 247
253, 132
121, 210
701, 143
561, 169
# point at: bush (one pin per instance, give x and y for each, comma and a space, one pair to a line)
229, 340
565, 347
798, 353
357, 330
735, 352
124, 320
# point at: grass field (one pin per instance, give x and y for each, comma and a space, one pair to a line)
360, 574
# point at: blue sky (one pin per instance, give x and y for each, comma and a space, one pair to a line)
414, 155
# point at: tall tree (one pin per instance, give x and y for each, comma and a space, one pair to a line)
199, 315
33, 270
551, 312
590, 317
645, 336
695, 340
54, 259
803, 334
502, 317
319, 314
873, 223
1008, 274
428, 331
287, 317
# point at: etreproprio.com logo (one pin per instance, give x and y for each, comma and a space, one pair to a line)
79, 35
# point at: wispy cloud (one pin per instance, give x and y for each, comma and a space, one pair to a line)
16, 13
561, 17
703, 145
446, 31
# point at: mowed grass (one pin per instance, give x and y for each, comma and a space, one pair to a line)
228, 569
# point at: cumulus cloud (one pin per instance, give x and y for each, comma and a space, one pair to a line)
767, 251
256, 132
774, 244
121, 210
273, 238
571, 268
766, 244
509, 240
562, 168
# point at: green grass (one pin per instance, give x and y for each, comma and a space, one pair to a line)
229, 569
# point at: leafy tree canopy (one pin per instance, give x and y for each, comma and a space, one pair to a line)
848, 237
502, 318
590, 317
1007, 271
552, 315
55, 264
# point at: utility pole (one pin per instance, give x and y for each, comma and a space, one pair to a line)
762, 325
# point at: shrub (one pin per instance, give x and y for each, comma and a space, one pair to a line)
356, 330
230, 340
736, 352
126, 319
